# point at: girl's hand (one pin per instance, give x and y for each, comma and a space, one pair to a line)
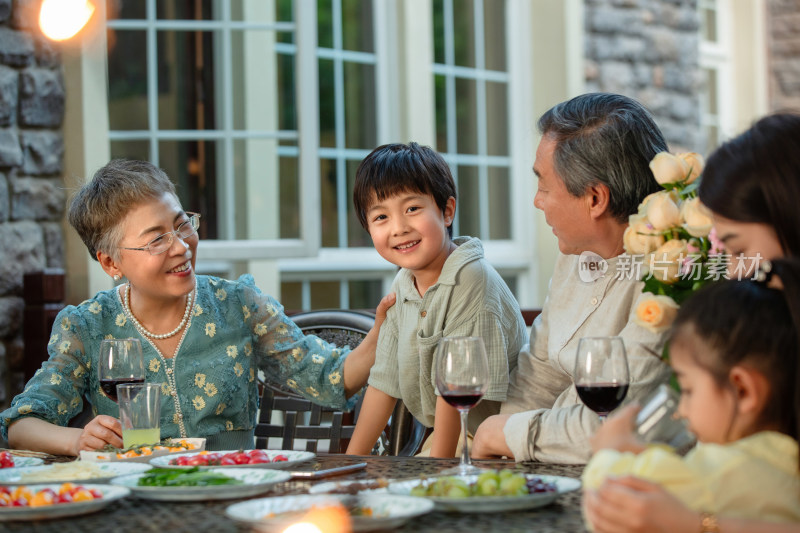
632, 505
617, 432
101, 430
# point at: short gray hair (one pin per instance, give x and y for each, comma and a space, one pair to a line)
608, 139
101, 204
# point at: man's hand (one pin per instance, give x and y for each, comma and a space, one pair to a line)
489, 440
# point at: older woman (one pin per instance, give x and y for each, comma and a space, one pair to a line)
592, 169
751, 184
204, 338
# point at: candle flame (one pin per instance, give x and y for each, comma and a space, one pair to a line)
303, 527
63, 19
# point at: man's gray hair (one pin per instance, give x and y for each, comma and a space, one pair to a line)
609, 139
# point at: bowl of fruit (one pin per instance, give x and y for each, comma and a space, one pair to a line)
490, 491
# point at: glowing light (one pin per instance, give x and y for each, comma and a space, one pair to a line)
302, 527
62, 19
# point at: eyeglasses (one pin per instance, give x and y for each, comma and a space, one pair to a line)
163, 242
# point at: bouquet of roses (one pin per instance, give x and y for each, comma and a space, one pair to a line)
672, 234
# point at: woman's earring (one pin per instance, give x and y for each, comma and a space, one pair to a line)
117, 277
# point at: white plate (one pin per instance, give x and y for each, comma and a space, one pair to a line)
102, 457
293, 457
328, 486
24, 461
15, 475
484, 504
389, 511
64, 509
255, 481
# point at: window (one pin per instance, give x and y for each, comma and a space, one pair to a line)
194, 102
261, 110
472, 112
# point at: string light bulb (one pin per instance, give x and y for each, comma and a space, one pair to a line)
62, 19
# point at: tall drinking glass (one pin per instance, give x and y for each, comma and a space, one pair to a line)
601, 373
120, 362
462, 378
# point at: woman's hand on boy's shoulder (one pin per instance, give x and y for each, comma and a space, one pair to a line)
617, 432
383, 307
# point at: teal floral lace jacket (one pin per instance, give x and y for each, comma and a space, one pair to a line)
234, 331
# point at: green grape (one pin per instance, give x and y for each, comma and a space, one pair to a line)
514, 485
505, 473
419, 490
486, 487
457, 491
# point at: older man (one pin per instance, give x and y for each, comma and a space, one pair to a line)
592, 167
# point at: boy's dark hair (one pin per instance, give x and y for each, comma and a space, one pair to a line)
745, 322
394, 168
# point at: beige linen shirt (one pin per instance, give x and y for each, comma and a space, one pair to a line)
549, 422
469, 299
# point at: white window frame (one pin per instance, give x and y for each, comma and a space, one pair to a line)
306, 135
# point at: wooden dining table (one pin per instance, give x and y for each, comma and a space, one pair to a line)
132, 514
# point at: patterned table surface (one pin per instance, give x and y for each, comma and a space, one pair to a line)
135, 515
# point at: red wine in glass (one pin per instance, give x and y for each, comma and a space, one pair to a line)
602, 398
462, 378
109, 386
601, 373
120, 362
462, 400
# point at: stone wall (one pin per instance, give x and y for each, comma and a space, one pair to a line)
32, 195
783, 42
648, 49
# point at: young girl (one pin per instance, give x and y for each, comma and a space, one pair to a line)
734, 349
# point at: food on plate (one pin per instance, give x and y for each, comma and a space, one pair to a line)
490, 483
6, 460
358, 486
352, 509
241, 457
73, 470
23, 496
194, 477
180, 445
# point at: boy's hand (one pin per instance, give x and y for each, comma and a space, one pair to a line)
617, 432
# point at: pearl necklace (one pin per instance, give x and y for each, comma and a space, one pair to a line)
169, 370
149, 333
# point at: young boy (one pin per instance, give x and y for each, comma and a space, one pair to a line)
405, 197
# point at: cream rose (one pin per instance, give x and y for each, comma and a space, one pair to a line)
668, 168
662, 211
665, 262
695, 162
696, 218
656, 313
640, 238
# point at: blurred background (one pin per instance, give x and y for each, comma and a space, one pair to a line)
260, 111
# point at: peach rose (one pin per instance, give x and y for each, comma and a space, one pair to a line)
666, 261
695, 162
656, 313
662, 211
668, 168
696, 218
640, 237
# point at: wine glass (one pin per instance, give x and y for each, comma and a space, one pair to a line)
601, 373
462, 378
120, 362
